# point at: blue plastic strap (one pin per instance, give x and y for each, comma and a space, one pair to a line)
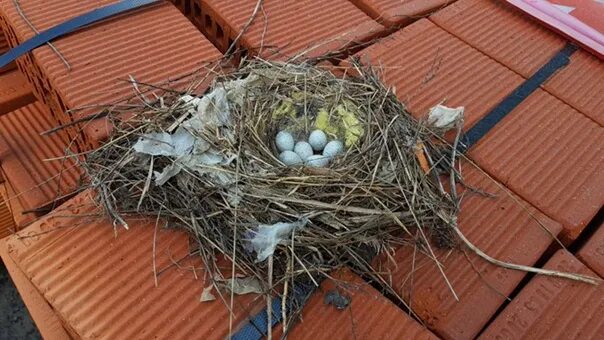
70, 26
480, 129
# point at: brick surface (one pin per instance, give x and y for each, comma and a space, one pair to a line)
425, 66
25, 157
283, 28
503, 226
369, 316
580, 85
7, 222
501, 32
552, 156
397, 13
101, 283
11, 200
154, 45
14, 92
46, 320
552, 308
592, 253
524, 45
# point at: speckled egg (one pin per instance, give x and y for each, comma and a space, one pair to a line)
304, 150
290, 158
333, 149
284, 141
317, 161
317, 140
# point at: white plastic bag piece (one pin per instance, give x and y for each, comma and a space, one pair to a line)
445, 117
213, 109
268, 236
164, 144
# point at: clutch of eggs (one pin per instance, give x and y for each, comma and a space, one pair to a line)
317, 152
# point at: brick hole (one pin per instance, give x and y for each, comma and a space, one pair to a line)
197, 10
187, 7
219, 33
207, 23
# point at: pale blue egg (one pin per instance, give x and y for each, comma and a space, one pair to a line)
317, 161
317, 140
333, 149
304, 150
284, 141
290, 158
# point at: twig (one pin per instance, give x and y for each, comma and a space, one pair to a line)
540, 271
33, 28
154, 243
244, 29
269, 300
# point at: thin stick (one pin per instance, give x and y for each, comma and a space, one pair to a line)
154, 243
245, 27
33, 28
269, 300
540, 271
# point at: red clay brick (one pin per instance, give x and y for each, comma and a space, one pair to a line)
524, 45
7, 222
154, 45
46, 320
3, 49
369, 316
24, 156
552, 308
550, 155
426, 65
501, 32
3, 44
9, 196
397, 13
292, 26
581, 85
592, 253
14, 92
100, 280
503, 226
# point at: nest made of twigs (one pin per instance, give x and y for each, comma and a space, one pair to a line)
370, 198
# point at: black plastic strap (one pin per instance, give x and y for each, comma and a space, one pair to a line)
480, 129
70, 26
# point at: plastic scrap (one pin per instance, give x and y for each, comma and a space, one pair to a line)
243, 285
444, 117
268, 236
186, 147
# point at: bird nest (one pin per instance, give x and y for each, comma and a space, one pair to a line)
210, 165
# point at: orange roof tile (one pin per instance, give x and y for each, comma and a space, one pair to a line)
292, 26
520, 43
592, 253
395, 13
47, 322
153, 44
369, 316
24, 157
426, 65
14, 92
100, 280
503, 226
552, 308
